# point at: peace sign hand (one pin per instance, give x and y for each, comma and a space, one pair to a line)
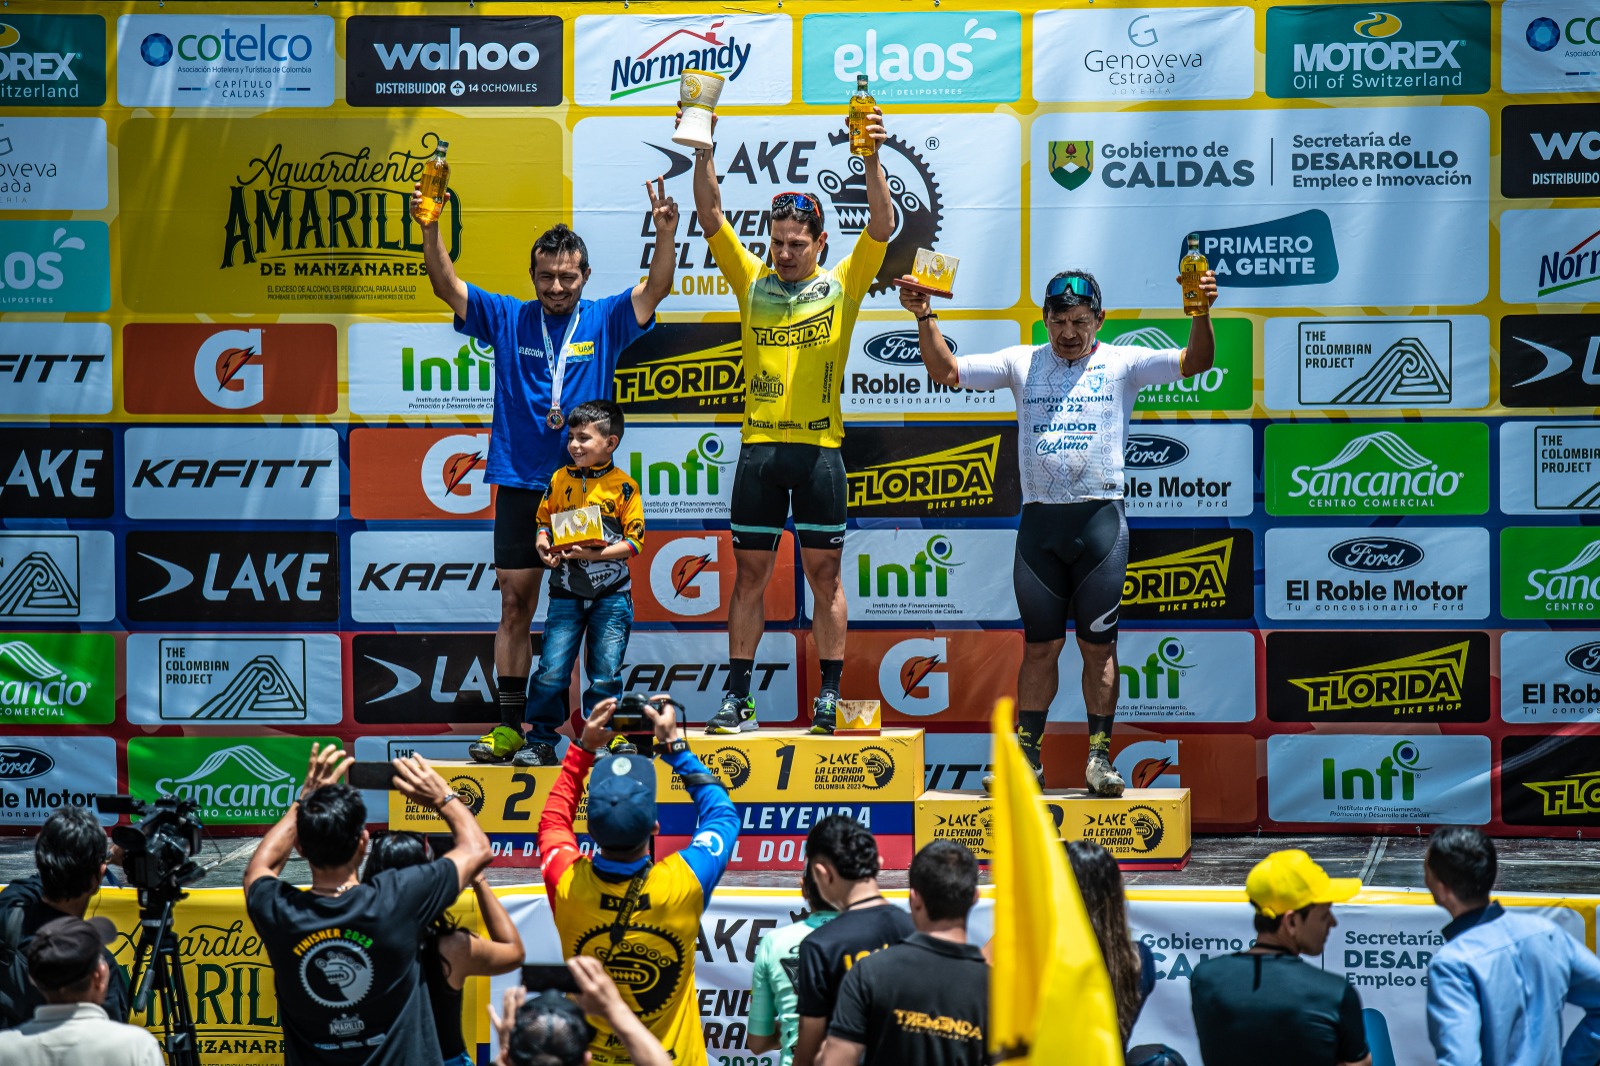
663, 208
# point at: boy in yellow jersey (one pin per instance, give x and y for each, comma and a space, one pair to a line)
796, 322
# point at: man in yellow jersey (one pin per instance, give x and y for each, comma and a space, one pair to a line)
796, 321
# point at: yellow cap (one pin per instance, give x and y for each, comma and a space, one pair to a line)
1288, 880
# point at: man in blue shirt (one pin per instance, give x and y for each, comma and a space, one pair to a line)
1497, 987
551, 354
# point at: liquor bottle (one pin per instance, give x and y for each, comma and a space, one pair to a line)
435, 180
861, 105
1190, 269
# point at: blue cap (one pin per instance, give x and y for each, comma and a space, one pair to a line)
622, 801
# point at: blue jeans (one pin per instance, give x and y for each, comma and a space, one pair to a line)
604, 625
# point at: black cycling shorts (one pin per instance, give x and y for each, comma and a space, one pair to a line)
773, 480
516, 528
1070, 562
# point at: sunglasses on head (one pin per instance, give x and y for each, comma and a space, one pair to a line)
1060, 286
801, 201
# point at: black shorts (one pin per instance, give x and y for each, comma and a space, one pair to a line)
516, 528
1070, 563
774, 479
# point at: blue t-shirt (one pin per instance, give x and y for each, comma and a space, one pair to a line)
522, 449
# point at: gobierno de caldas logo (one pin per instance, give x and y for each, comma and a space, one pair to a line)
1407, 49
1400, 468
1550, 572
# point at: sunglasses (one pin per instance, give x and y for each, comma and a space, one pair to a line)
1060, 286
803, 202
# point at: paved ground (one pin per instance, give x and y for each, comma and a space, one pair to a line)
1547, 866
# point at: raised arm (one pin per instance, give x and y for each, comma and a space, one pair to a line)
707, 193
558, 841
418, 781
326, 766
441, 272
1201, 351
658, 283
880, 206
473, 956
936, 354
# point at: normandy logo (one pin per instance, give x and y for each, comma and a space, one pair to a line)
1430, 682
1071, 163
1549, 572
941, 480
1561, 270
235, 782
1183, 580
36, 587
710, 378
1410, 49
709, 48
1440, 468
57, 678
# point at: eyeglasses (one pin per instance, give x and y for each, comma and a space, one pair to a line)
1063, 284
803, 202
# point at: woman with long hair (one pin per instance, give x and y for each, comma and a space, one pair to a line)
1130, 963
451, 954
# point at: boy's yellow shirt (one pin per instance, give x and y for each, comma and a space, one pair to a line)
621, 513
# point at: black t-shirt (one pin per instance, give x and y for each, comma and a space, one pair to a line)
923, 1001
350, 991
829, 953
1275, 1008
28, 893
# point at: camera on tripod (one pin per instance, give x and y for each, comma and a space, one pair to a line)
158, 850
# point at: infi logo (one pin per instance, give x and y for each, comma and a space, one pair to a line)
1189, 676
55, 266
234, 781
1407, 49
633, 61
52, 61
696, 486
895, 574
926, 576
1161, 677
57, 678
945, 57
1405, 468
1393, 778
418, 369
1551, 572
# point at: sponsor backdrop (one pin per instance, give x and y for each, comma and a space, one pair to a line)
242, 495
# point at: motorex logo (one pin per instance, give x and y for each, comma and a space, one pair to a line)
1401, 468
55, 266
1408, 49
52, 61
940, 57
1295, 250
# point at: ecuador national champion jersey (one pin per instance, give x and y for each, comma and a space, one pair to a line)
796, 337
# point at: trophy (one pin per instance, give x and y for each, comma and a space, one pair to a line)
859, 718
932, 273
697, 96
578, 528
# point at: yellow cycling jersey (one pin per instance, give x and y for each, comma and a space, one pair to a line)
796, 338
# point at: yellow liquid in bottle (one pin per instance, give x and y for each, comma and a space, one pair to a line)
435, 180
1190, 269
861, 105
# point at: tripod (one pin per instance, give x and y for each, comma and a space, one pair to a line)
158, 969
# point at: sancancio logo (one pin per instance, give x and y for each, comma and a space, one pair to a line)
1565, 587
238, 777
1409, 473
1150, 451
19, 764
1585, 657
1372, 555
898, 348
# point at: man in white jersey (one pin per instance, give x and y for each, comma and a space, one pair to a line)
1074, 397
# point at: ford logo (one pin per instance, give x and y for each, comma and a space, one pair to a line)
899, 348
1372, 555
1585, 657
19, 764
1149, 451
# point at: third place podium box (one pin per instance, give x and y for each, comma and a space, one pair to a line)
1143, 829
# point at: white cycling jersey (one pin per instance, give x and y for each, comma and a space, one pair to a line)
1072, 417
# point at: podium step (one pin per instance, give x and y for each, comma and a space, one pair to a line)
1144, 828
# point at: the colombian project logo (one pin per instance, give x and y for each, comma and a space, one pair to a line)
52, 61
1399, 468
1405, 49
933, 56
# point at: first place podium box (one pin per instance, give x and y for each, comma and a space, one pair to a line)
782, 781
1143, 829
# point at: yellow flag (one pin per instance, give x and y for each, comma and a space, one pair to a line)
1050, 997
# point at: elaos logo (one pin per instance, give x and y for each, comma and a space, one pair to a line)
227, 368
1429, 682
23, 270
682, 577
959, 476
1394, 778
914, 676
1576, 794
700, 473
806, 333
1071, 163
705, 378
1183, 580
927, 576
1402, 472
452, 473
732, 765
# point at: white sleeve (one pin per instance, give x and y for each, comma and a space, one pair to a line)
1153, 366
994, 370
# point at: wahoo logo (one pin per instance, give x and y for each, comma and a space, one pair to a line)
37, 587
1183, 580
664, 62
914, 669
685, 570
955, 477
1577, 794
1579, 265
261, 690
708, 377
1429, 682
806, 333
458, 54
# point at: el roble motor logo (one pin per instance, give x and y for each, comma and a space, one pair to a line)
477, 61
195, 576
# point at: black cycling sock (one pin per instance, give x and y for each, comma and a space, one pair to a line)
739, 671
1100, 732
512, 695
832, 671
1030, 734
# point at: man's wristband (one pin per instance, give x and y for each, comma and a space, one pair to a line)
672, 747
924, 318
447, 799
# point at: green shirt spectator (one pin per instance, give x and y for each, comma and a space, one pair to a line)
774, 1023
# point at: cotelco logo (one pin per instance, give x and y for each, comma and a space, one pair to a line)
484, 61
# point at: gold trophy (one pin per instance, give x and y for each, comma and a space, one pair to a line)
698, 92
578, 528
932, 272
860, 718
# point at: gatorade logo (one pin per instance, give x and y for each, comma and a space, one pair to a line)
452, 474
913, 677
682, 579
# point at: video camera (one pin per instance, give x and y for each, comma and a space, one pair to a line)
158, 850
629, 717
